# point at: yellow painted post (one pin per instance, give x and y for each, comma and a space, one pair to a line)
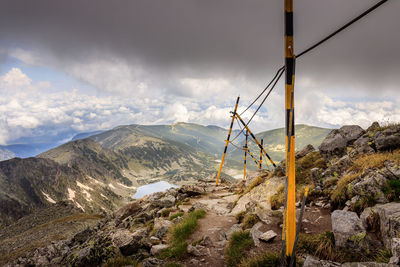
255, 139
245, 157
261, 153
290, 140
257, 163
227, 140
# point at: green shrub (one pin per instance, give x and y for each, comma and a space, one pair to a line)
263, 260
176, 215
237, 244
249, 220
165, 212
383, 255
180, 233
392, 190
319, 245
121, 261
278, 198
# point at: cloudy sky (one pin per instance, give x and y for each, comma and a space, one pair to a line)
83, 65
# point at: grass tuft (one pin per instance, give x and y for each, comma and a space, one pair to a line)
180, 233
176, 215
237, 244
278, 198
266, 259
339, 195
249, 220
121, 261
319, 245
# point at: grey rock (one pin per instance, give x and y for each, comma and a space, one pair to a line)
389, 220
166, 202
156, 249
305, 151
346, 225
191, 190
268, 236
161, 232
388, 139
193, 250
337, 140
160, 222
152, 262
370, 185
207, 242
396, 247
256, 233
315, 262
127, 242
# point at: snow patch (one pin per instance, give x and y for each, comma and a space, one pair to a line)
129, 187
111, 186
48, 198
79, 206
101, 194
71, 194
95, 181
83, 186
88, 196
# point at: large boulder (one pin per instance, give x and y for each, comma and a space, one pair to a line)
191, 190
165, 202
337, 140
388, 139
305, 151
389, 220
130, 209
370, 186
128, 242
347, 228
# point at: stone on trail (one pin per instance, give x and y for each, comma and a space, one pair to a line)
256, 233
268, 236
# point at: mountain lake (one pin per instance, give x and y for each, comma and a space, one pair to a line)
153, 188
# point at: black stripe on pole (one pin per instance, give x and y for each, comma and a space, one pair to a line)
289, 23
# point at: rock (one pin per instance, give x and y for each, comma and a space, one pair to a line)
315, 262
193, 250
389, 220
370, 185
388, 139
256, 233
130, 209
263, 215
191, 190
156, 249
337, 140
161, 232
159, 222
268, 236
127, 242
155, 240
362, 145
305, 151
166, 202
206, 241
152, 262
345, 226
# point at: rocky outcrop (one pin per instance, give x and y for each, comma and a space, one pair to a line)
347, 228
337, 140
305, 151
388, 139
315, 262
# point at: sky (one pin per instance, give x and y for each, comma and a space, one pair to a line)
85, 65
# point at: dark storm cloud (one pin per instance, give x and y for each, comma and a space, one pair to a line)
210, 38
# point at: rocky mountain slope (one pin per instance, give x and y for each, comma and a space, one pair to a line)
351, 215
6, 154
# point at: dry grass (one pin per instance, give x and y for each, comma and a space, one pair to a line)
376, 160
339, 194
256, 181
278, 198
249, 220
319, 245
305, 164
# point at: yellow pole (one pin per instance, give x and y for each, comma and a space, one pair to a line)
255, 139
245, 157
261, 153
290, 141
257, 163
227, 140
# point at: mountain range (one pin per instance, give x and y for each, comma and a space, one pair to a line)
102, 171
